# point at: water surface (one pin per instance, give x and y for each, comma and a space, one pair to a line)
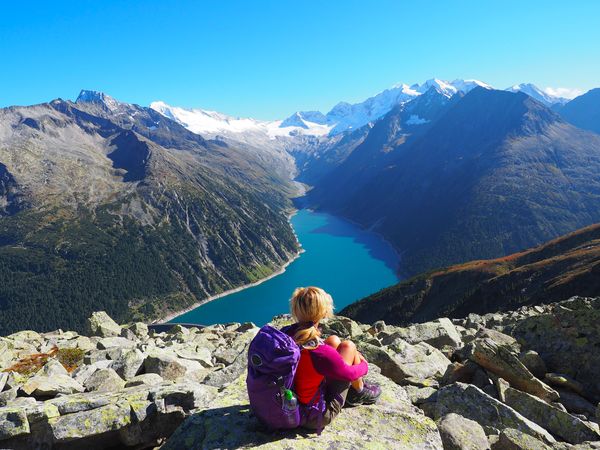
346, 261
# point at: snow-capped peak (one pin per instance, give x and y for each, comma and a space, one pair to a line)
534, 92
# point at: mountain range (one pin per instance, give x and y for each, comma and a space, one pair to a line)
112, 205
142, 211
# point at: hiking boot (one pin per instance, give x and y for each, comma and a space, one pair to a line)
369, 395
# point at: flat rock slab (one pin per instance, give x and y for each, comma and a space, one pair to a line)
392, 423
556, 421
471, 402
500, 360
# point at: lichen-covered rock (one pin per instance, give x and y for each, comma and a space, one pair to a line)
392, 423
90, 423
104, 380
567, 337
50, 386
406, 363
129, 364
576, 404
139, 330
148, 379
165, 365
437, 333
471, 402
341, 326
459, 433
13, 422
499, 360
534, 363
556, 421
565, 381
511, 439
100, 324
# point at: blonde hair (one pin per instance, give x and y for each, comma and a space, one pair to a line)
310, 304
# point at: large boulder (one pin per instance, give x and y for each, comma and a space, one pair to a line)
391, 423
471, 402
405, 363
51, 385
104, 380
511, 439
13, 422
438, 333
500, 360
460, 433
567, 337
556, 421
100, 324
129, 364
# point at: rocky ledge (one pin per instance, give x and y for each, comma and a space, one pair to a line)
520, 380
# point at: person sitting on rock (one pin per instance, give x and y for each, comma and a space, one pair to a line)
335, 362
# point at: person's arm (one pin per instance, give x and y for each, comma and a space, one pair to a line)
329, 363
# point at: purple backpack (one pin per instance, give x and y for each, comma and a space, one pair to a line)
273, 357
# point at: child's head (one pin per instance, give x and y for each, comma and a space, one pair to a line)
311, 304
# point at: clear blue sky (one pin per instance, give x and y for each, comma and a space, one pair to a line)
269, 58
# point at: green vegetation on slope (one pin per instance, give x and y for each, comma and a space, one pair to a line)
56, 268
557, 270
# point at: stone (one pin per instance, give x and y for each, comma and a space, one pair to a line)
499, 360
471, 402
7, 396
534, 363
402, 361
438, 333
376, 328
13, 422
459, 433
462, 372
3, 378
115, 341
50, 386
82, 373
340, 326
104, 380
168, 367
228, 374
419, 395
139, 329
499, 338
94, 422
566, 382
576, 404
567, 337
391, 423
511, 439
129, 364
53, 367
100, 324
557, 422
201, 354
148, 379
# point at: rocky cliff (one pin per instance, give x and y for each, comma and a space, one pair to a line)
525, 379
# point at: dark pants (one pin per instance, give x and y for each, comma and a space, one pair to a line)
335, 397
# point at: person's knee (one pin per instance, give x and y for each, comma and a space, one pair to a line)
333, 341
347, 345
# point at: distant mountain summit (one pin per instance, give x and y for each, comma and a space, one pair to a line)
584, 111
477, 176
534, 92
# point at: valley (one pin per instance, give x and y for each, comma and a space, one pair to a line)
147, 211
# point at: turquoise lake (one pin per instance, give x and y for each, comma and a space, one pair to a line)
338, 256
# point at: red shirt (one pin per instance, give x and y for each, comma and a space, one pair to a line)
323, 362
